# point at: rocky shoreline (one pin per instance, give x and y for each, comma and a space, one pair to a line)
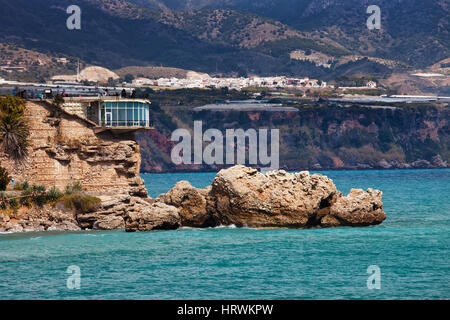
239, 196
66, 149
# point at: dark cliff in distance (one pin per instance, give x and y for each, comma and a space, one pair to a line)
321, 137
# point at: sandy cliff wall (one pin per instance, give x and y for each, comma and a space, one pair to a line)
65, 149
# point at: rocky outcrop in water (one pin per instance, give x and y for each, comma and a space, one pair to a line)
244, 197
239, 196
156, 216
359, 208
191, 202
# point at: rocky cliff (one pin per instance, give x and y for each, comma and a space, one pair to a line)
320, 136
64, 149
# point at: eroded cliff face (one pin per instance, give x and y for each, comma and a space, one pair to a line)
321, 137
65, 149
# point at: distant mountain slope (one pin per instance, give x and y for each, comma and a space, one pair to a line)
116, 33
110, 38
220, 39
33, 65
414, 31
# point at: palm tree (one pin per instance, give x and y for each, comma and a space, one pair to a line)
14, 133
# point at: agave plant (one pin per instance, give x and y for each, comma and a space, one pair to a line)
14, 133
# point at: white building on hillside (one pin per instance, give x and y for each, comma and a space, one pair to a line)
140, 81
371, 84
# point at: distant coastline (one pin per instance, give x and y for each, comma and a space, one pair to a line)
319, 136
298, 170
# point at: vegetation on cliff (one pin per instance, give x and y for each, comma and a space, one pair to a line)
24, 194
80, 203
14, 130
5, 179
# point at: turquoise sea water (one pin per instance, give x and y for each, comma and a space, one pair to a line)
411, 248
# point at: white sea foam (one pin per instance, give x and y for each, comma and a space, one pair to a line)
231, 226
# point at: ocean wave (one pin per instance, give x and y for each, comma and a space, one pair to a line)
231, 226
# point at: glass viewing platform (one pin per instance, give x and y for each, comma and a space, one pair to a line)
124, 113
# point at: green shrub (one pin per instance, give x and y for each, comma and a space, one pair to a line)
77, 187
39, 200
5, 179
54, 194
12, 105
33, 194
37, 188
58, 100
25, 200
39, 197
21, 186
82, 203
74, 188
36, 195
18, 187
13, 203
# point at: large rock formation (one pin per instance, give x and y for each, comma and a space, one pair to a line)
359, 208
157, 216
192, 204
244, 197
